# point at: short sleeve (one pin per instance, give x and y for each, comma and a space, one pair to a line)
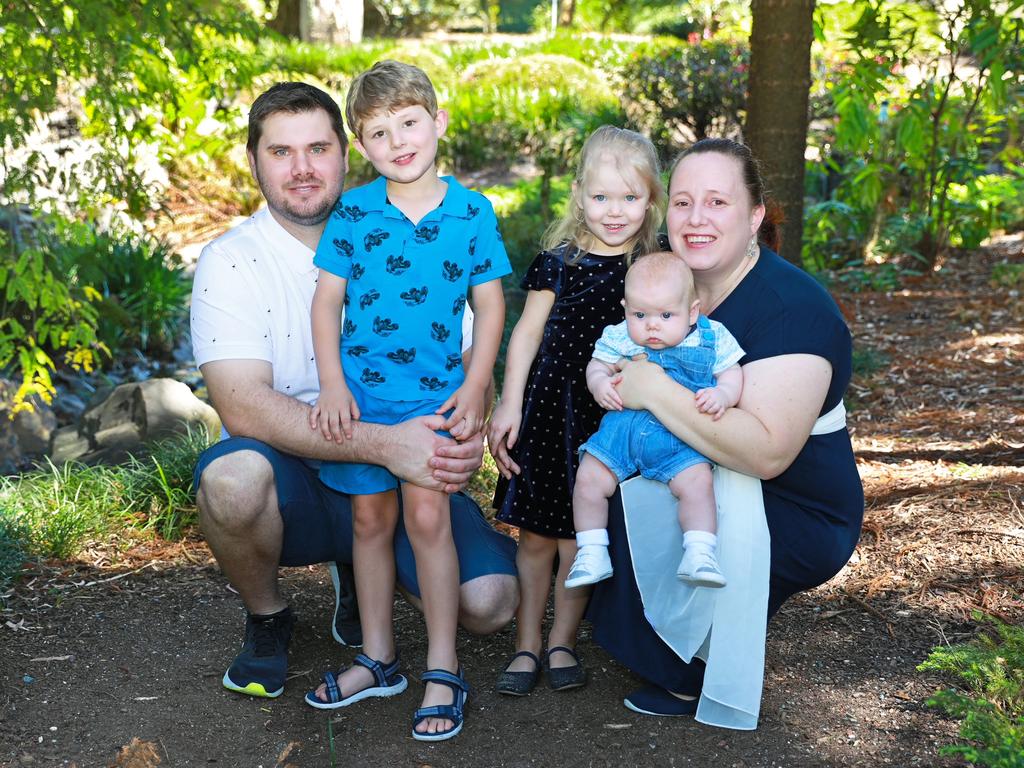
487, 250
728, 352
223, 324
335, 249
548, 272
614, 344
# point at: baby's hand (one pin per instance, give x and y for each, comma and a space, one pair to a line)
606, 395
334, 412
711, 401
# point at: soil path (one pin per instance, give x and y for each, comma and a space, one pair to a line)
120, 664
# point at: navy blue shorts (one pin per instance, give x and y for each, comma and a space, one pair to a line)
318, 520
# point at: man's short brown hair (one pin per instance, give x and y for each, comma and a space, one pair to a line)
293, 98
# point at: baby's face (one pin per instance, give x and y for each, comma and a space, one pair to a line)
658, 313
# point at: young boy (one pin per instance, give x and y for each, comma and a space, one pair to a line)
660, 312
401, 254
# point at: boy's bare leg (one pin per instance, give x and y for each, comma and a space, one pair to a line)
534, 559
570, 605
374, 517
428, 523
695, 489
595, 484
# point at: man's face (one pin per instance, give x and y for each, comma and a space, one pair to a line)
300, 167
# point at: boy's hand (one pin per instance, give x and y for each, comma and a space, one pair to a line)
468, 415
711, 401
606, 395
334, 412
502, 434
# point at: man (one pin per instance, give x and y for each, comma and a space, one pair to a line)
261, 504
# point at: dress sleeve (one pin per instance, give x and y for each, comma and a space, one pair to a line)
548, 272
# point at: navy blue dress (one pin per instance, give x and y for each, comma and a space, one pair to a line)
814, 509
559, 413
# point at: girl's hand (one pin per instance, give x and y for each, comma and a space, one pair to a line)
334, 412
606, 395
467, 418
712, 401
502, 434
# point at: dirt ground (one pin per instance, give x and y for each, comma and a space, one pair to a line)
117, 660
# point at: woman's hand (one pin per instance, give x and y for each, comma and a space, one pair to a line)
638, 380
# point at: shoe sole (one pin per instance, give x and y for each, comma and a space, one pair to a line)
583, 581
630, 705
336, 581
702, 582
375, 692
252, 689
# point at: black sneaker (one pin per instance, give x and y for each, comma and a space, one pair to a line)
261, 667
345, 627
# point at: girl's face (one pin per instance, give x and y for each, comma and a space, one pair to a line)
710, 218
613, 208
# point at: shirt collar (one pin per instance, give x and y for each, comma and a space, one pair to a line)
455, 202
293, 252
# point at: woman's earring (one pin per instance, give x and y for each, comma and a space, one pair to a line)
752, 248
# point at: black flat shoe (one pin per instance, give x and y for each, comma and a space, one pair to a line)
564, 678
519, 683
652, 700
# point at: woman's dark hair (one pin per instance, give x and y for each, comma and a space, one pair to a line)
295, 99
770, 231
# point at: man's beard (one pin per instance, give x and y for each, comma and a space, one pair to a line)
303, 218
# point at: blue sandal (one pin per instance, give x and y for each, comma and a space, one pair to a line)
451, 711
389, 683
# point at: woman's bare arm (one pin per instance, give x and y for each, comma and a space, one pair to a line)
763, 434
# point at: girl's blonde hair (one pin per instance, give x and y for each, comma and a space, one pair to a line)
636, 159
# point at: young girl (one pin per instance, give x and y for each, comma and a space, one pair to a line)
546, 411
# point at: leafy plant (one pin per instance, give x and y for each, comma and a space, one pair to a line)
1010, 275
991, 702
678, 93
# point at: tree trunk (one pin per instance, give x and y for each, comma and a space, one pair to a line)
288, 19
338, 22
779, 86
567, 13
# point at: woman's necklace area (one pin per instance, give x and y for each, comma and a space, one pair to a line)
737, 276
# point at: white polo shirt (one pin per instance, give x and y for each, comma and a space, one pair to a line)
251, 296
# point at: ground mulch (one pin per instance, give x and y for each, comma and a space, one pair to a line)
115, 659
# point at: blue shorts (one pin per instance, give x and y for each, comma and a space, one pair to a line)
354, 478
634, 441
318, 521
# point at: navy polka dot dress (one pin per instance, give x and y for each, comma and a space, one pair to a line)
559, 413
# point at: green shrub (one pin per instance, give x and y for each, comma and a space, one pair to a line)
676, 93
56, 511
991, 700
1009, 275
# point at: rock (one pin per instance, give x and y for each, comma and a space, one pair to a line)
128, 417
26, 436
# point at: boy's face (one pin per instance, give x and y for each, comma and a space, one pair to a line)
659, 314
300, 167
402, 145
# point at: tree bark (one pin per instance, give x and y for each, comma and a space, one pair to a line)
778, 92
323, 21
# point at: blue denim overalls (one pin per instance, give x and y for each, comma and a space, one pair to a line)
631, 441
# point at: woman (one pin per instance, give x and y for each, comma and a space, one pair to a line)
796, 368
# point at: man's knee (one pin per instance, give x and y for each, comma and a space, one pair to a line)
236, 489
488, 603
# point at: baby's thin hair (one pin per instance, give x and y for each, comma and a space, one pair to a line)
388, 86
662, 266
636, 159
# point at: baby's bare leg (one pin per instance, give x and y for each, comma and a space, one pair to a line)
595, 484
696, 493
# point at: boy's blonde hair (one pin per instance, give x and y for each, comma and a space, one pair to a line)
386, 87
636, 159
663, 266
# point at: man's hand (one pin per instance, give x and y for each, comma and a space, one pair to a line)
416, 453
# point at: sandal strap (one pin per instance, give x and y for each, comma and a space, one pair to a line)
331, 681
447, 711
563, 649
382, 674
443, 676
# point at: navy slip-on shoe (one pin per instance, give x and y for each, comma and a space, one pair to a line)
652, 700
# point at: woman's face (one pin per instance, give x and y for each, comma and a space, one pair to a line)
710, 217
